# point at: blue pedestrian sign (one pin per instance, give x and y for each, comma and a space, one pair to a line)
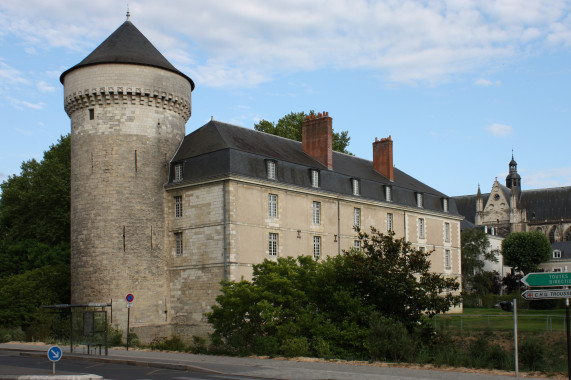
54, 353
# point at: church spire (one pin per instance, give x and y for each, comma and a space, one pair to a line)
513, 179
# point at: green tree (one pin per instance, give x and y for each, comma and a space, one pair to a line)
35, 212
35, 237
291, 307
524, 251
307, 307
395, 279
289, 127
475, 250
22, 295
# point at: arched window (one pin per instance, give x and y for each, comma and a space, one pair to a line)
551, 235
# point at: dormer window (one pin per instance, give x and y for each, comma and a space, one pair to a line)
314, 178
556, 254
419, 200
445, 204
271, 169
388, 194
178, 172
355, 186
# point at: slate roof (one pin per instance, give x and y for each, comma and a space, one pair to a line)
564, 247
218, 149
127, 45
550, 204
540, 204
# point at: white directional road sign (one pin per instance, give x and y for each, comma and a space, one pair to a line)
546, 294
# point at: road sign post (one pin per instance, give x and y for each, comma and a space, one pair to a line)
129, 298
54, 355
562, 279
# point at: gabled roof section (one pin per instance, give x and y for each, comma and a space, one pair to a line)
215, 136
127, 45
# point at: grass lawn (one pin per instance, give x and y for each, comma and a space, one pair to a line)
498, 319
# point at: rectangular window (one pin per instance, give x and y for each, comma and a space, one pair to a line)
316, 246
445, 204
178, 240
91, 114
315, 178
557, 269
272, 205
556, 254
419, 199
388, 194
447, 259
178, 172
447, 232
273, 244
357, 244
178, 206
271, 169
355, 185
421, 229
316, 212
357, 217
389, 222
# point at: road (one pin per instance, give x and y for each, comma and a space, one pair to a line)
12, 363
143, 365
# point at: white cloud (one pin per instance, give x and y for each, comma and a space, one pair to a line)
500, 130
10, 75
22, 104
45, 87
486, 82
247, 42
24, 132
548, 178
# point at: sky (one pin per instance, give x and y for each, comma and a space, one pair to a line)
457, 84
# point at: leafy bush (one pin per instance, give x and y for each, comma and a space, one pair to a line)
115, 336
198, 345
294, 347
532, 354
389, 340
170, 344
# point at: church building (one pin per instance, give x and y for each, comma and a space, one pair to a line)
166, 216
508, 208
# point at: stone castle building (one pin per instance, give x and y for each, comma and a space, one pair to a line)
166, 217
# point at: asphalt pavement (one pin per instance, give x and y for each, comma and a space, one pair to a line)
264, 368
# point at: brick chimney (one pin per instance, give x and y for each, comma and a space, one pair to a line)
317, 138
383, 157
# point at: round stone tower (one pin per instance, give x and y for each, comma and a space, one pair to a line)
128, 108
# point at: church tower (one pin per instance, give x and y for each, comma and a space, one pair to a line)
513, 179
128, 108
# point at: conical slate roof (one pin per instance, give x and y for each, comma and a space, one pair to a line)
127, 45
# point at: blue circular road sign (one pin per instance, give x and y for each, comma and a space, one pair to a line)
54, 353
130, 298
